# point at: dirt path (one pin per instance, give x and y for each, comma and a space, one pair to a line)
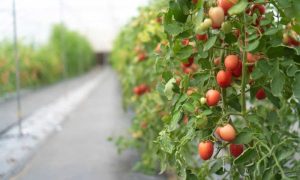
81, 150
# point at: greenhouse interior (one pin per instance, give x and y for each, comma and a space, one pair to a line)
150, 90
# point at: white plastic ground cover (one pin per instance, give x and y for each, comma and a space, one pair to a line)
15, 151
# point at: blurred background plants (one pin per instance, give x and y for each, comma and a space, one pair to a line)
43, 64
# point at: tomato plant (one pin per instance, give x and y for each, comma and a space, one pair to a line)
236, 104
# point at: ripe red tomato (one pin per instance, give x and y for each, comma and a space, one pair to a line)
205, 150
195, 1
258, 20
289, 40
144, 124
189, 62
251, 58
201, 37
216, 14
224, 78
227, 133
237, 72
141, 89
185, 119
188, 70
260, 94
261, 9
136, 90
185, 42
293, 42
158, 20
217, 132
178, 80
194, 67
285, 38
217, 61
212, 97
226, 4
142, 56
231, 62
236, 149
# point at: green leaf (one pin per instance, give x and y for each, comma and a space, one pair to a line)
169, 88
207, 112
238, 8
296, 86
291, 70
216, 166
243, 138
277, 83
280, 51
166, 142
173, 29
185, 82
184, 52
246, 156
175, 119
273, 99
263, 66
285, 153
253, 45
188, 107
163, 163
188, 137
177, 12
190, 175
183, 4
230, 38
268, 174
210, 43
271, 31
167, 75
234, 103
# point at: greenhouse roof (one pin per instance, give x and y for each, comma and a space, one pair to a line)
99, 20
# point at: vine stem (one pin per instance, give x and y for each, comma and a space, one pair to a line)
279, 167
244, 72
223, 90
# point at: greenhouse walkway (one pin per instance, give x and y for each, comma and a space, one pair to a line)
80, 150
32, 100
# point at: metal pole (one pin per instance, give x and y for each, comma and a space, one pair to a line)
62, 41
17, 64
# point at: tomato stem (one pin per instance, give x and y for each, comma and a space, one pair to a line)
244, 72
223, 90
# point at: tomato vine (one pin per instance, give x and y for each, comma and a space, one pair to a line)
221, 81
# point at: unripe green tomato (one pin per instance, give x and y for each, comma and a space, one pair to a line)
201, 28
207, 23
202, 122
203, 100
226, 27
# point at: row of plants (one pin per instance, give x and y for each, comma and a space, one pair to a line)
214, 86
43, 64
